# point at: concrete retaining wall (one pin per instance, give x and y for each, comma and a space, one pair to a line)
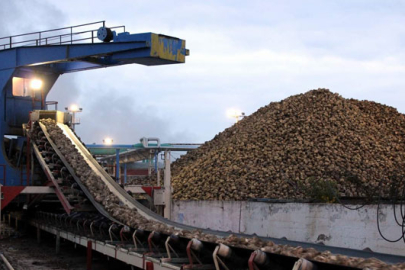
331, 224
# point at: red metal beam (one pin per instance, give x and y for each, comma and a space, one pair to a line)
10, 192
149, 266
148, 190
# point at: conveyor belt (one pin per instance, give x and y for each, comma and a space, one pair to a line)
98, 206
114, 187
65, 203
126, 199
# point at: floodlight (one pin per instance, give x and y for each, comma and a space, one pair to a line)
36, 84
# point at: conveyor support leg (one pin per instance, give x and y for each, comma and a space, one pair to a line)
149, 266
167, 185
89, 255
38, 235
57, 248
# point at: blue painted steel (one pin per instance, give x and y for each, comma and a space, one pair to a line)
136, 48
24, 56
49, 62
117, 166
15, 111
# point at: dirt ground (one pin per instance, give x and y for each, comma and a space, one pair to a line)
23, 252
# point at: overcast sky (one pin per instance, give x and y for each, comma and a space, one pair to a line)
244, 54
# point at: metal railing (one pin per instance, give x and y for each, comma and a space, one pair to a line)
59, 36
52, 103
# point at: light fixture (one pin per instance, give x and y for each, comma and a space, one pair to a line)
235, 113
36, 84
108, 141
74, 108
232, 113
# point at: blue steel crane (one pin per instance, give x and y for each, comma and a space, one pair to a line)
31, 63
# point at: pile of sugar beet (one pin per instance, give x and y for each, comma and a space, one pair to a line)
316, 145
132, 218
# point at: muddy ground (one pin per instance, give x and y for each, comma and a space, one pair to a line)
23, 252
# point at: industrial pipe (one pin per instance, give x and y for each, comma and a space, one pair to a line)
8, 265
215, 257
110, 231
91, 228
167, 246
135, 239
174, 238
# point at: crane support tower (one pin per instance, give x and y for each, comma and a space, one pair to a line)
31, 63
